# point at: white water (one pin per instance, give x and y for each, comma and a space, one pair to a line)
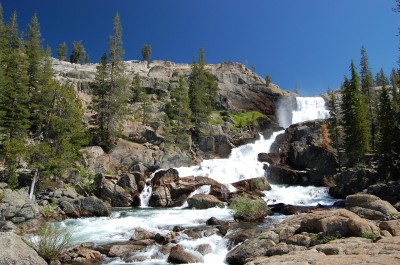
242, 164
294, 110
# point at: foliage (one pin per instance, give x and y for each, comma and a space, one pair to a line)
326, 140
50, 241
203, 90
324, 239
62, 51
268, 80
355, 122
13, 150
247, 208
387, 134
179, 113
48, 210
246, 119
370, 235
146, 52
78, 53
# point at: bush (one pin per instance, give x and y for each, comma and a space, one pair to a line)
248, 208
324, 238
50, 241
370, 235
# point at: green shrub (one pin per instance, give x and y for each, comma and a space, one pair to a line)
48, 210
248, 209
246, 119
369, 235
323, 238
50, 241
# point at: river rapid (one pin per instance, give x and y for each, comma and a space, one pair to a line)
242, 164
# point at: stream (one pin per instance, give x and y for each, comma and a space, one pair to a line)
242, 164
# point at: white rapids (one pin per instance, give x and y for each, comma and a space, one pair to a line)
242, 164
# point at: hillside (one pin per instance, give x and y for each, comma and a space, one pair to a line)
240, 91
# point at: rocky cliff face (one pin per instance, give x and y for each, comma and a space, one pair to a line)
240, 90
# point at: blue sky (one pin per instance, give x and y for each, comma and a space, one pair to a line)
310, 43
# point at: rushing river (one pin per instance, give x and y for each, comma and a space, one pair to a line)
242, 164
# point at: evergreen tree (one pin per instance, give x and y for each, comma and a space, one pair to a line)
395, 82
388, 132
268, 80
146, 53
62, 51
203, 90
381, 79
35, 53
14, 103
334, 120
136, 89
367, 86
78, 53
179, 113
355, 122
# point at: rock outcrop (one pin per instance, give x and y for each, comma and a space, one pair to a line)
15, 251
298, 156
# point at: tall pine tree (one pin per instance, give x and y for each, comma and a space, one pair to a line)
355, 122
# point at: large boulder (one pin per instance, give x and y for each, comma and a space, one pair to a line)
204, 201
352, 181
85, 207
254, 184
249, 249
370, 207
15, 251
180, 255
169, 190
285, 175
339, 221
16, 206
386, 191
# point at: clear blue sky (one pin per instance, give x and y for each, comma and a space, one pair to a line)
309, 43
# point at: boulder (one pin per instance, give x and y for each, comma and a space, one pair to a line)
249, 208
85, 207
180, 255
285, 175
351, 181
15, 251
386, 191
272, 159
204, 201
370, 207
123, 250
392, 226
254, 184
214, 221
16, 206
204, 249
141, 233
80, 255
338, 221
249, 249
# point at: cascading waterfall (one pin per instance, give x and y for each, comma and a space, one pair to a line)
242, 164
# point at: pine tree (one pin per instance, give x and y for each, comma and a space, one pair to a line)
139, 93
381, 79
355, 122
35, 53
268, 80
179, 113
62, 51
78, 53
203, 89
388, 132
136, 89
14, 103
367, 86
395, 82
146, 53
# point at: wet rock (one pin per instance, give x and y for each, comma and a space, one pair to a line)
285, 175
223, 229
214, 221
272, 159
123, 250
370, 207
254, 184
141, 233
204, 249
180, 255
178, 228
191, 233
204, 201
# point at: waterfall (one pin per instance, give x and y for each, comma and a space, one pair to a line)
242, 164
299, 109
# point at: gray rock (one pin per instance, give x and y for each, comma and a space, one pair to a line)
15, 251
180, 255
141, 233
204, 201
371, 207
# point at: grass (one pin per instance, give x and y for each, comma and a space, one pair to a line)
323, 239
50, 241
243, 119
370, 235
